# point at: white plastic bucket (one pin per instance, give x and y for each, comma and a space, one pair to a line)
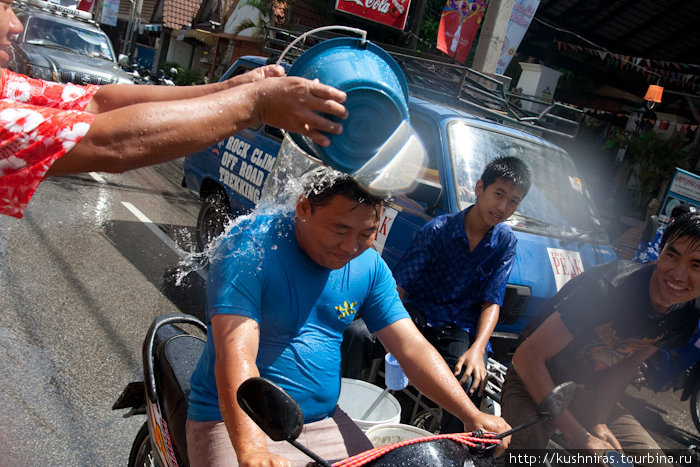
357, 396
381, 435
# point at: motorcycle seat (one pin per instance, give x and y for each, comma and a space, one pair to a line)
177, 358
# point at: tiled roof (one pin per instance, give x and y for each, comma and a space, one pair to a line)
178, 14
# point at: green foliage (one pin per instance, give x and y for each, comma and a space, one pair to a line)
265, 9
188, 77
651, 159
185, 76
429, 26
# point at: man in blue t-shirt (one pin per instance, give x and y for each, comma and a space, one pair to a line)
453, 276
282, 289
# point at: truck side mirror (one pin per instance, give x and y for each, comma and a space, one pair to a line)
123, 60
426, 191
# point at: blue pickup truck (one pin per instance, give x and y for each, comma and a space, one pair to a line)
558, 232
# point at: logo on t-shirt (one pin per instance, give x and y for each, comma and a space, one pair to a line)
610, 349
346, 309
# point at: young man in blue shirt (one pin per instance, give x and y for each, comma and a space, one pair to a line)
281, 291
452, 278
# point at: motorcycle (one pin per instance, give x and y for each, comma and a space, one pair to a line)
170, 354
281, 418
677, 369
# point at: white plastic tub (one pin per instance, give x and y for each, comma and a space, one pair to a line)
357, 396
381, 435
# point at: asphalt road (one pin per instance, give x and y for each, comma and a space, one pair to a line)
82, 276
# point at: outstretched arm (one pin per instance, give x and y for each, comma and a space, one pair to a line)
427, 371
529, 361
115, 96
149, 133
236, 341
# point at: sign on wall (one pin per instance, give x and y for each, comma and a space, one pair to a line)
390, 13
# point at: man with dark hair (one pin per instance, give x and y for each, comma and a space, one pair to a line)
596, 331
281, 290
452, 278
649, 251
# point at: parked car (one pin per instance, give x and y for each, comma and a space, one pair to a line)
64, 45
558, 231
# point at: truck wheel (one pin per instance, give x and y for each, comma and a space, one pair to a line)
695, 406
213, 216
141, 452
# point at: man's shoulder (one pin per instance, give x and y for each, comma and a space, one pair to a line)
618, 272
256, 231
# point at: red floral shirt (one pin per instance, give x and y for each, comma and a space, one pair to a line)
39, 122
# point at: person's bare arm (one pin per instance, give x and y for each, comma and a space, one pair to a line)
529, 361
428, 372
150, 133
115, 96
473, 359
608, 394
236, 340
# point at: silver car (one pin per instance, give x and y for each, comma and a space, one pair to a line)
64, 45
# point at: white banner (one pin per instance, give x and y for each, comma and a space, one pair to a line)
384, 228
565, 265
110, 11
520, 19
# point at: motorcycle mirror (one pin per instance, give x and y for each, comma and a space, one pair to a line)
271, 408
549, 408
275, 412
556, 401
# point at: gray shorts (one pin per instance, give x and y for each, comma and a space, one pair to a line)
334, 438
518, 407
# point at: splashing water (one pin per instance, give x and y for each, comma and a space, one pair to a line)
287, 181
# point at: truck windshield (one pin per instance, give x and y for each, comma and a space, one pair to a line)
557, 203
43, 31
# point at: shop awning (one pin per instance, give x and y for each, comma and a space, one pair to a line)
152, 27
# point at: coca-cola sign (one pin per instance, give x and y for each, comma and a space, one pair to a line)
391, 13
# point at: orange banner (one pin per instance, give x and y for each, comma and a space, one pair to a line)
458, 25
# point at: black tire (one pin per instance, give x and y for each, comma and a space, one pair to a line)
213, 216
695, 406
141, 454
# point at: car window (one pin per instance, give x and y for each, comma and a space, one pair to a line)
44, 31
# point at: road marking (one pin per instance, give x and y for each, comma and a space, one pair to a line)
98, 177
164, 238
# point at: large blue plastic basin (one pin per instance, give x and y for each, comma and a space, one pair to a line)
377, 98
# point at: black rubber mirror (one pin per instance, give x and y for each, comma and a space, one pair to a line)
271, 408
550, 407
556, 401
275, 412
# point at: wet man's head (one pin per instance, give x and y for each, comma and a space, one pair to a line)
336, 220
676, 278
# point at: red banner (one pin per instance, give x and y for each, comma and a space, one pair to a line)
86, 5
458, 25
390, 13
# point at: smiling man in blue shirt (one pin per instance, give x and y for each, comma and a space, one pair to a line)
452, 278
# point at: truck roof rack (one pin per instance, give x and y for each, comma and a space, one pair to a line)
437, 79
